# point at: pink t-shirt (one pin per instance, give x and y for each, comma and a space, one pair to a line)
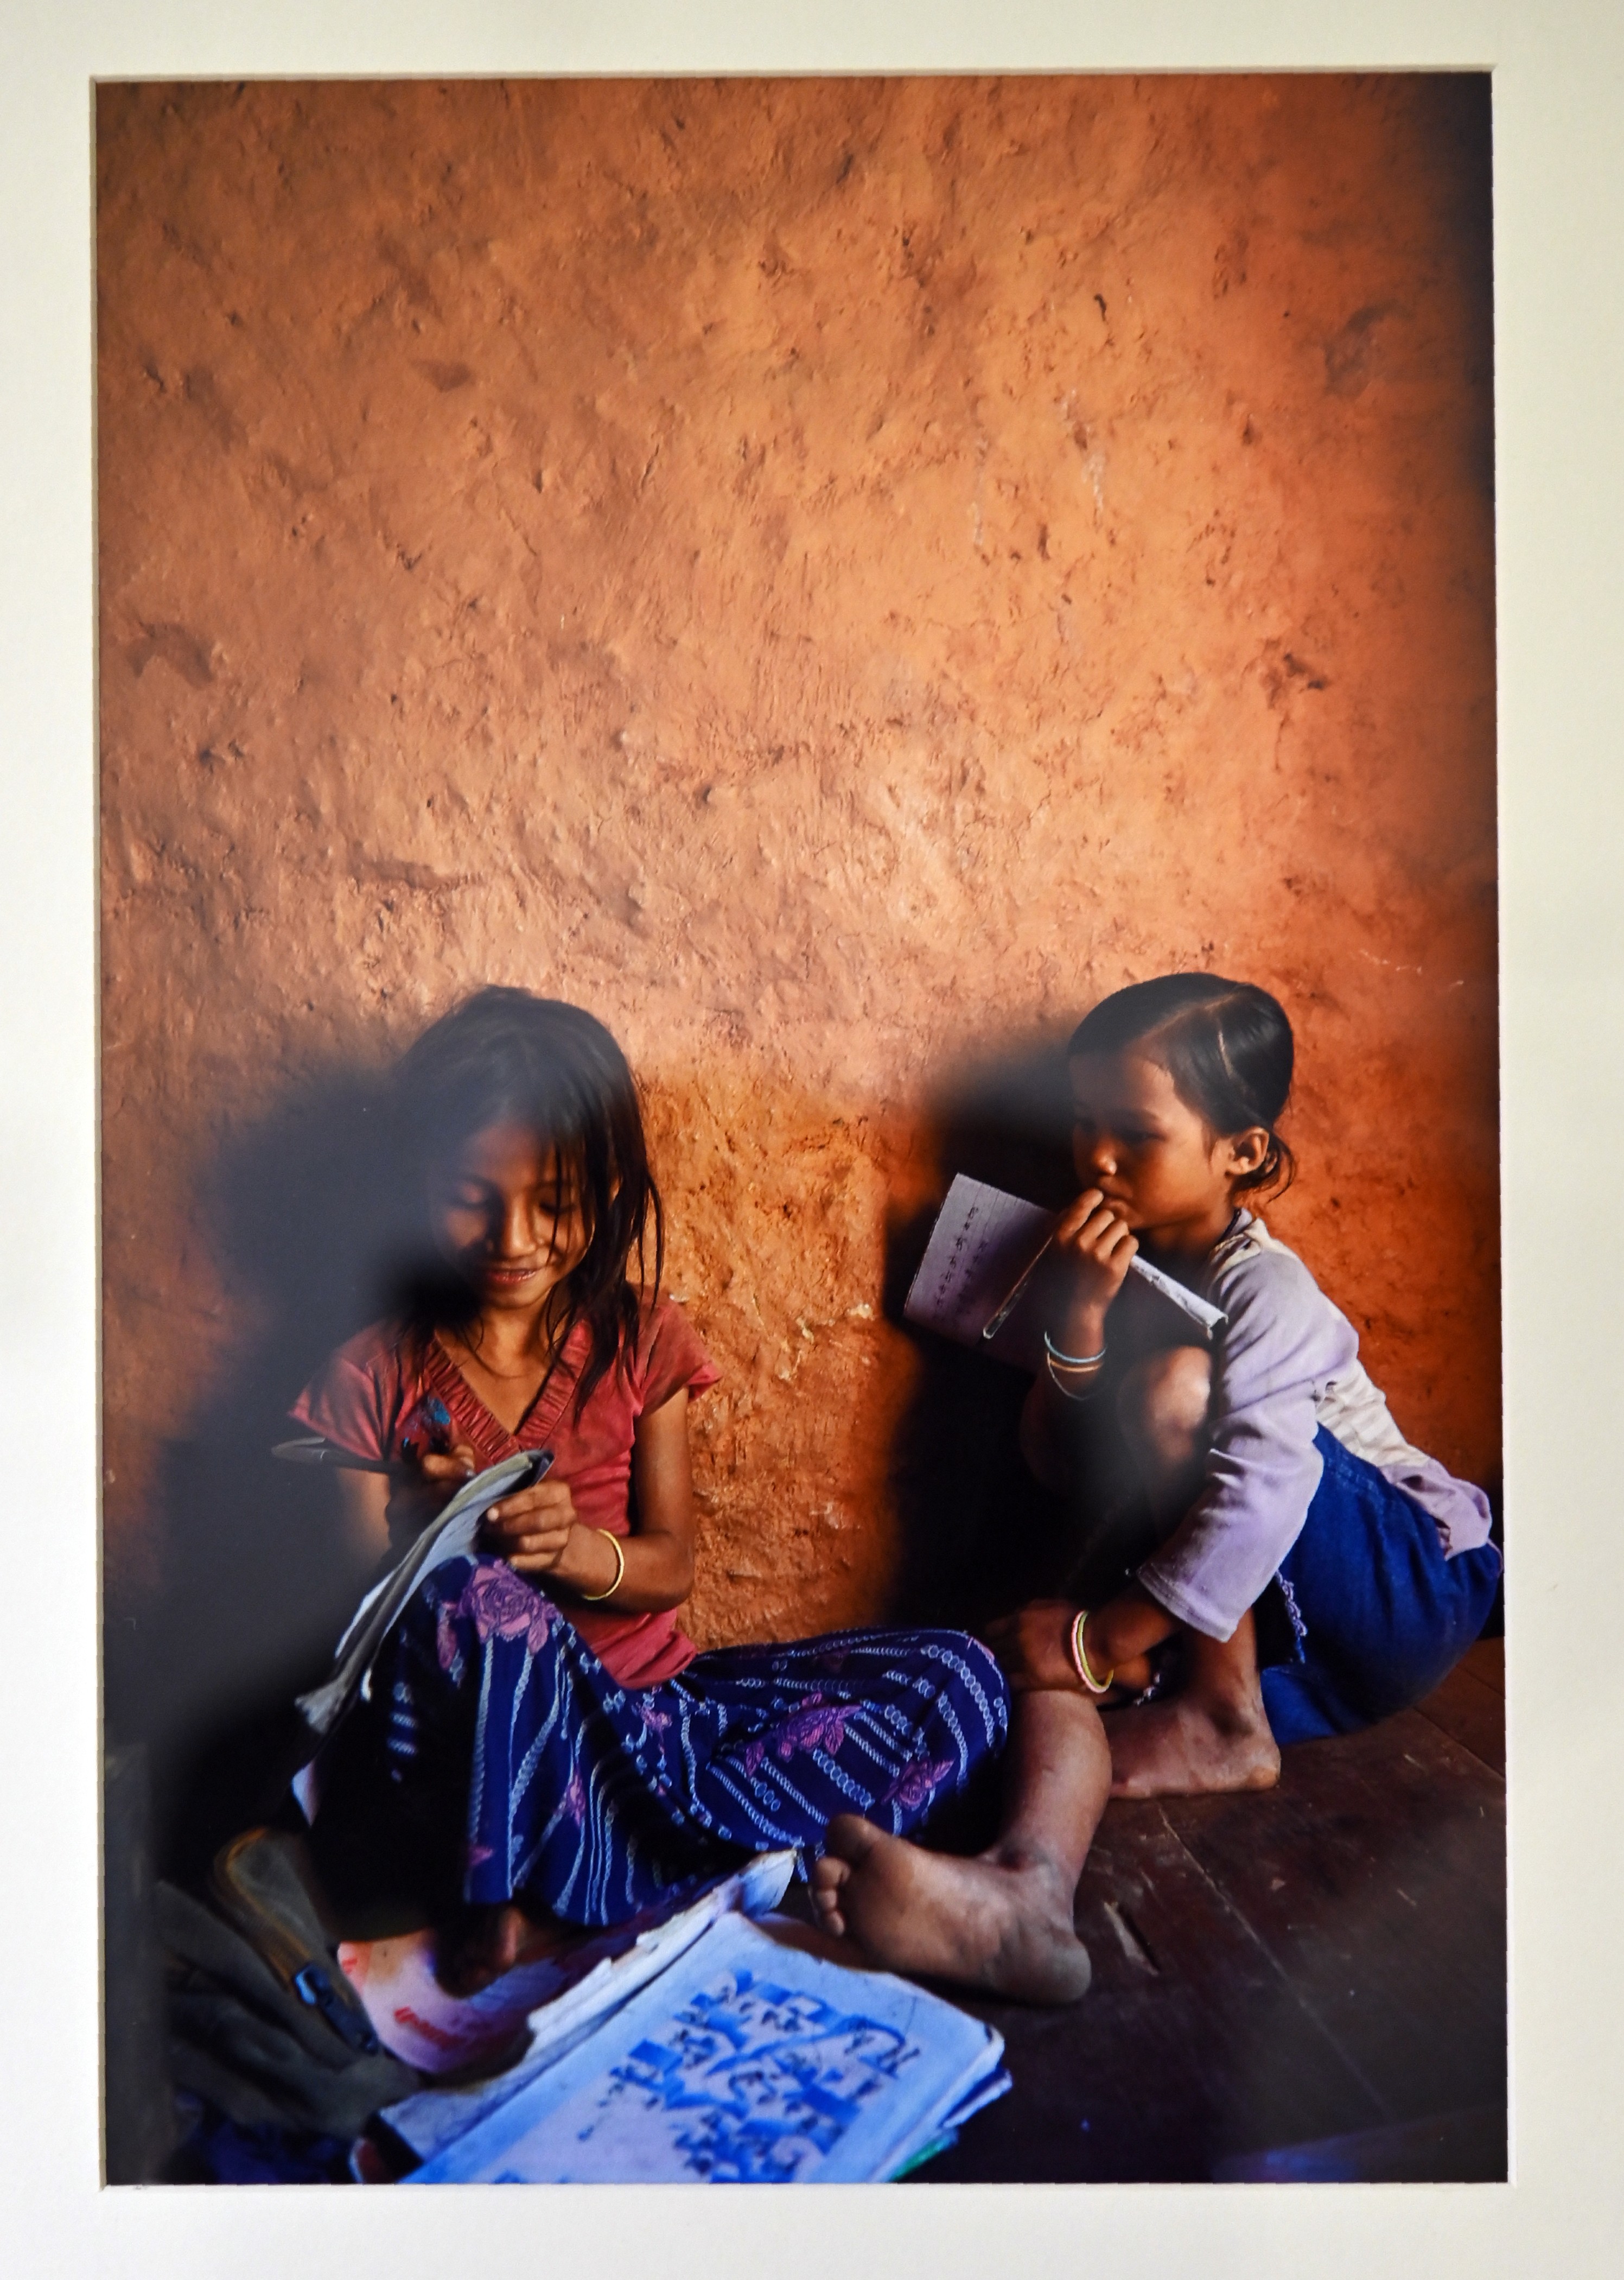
371, 1399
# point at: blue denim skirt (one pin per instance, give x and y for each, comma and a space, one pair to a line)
1378, 1615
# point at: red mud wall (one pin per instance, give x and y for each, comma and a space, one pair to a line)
832, 576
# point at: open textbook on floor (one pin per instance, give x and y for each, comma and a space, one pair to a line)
721, 2045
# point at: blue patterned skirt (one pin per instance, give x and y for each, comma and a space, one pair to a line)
496, 1759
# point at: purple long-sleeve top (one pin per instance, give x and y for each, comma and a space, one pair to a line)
1286, 1363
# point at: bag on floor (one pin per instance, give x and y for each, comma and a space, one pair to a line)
263, 2022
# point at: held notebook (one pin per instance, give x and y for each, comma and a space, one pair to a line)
983, 1280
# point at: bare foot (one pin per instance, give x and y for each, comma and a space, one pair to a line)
487, 1942
999, 1923
1182, 1748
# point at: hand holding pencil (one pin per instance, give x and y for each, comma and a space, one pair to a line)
1210, 1318
1098, 1246
419, 1487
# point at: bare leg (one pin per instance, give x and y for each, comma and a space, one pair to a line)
487, 1941
1002, 1921
1163, 1408
1215, 1733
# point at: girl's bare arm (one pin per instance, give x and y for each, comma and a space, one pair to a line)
363, 1499
1035, 1644
1096, 1245
538, 1534
1047, 1446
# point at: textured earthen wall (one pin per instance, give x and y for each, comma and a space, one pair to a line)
832, 577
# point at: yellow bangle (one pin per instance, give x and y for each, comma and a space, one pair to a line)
1080, 1659
618, 1571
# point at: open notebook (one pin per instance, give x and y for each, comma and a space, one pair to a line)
453, 1532
721, 2044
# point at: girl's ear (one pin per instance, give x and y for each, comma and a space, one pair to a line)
1248, 1150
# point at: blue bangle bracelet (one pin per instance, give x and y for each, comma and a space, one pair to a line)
1071, 1361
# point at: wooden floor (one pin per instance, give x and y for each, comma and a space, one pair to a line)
1302, 1985
1305, 1984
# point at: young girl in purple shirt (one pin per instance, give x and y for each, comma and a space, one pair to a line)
1316, 1571
1307, 1570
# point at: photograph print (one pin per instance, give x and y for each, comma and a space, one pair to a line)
800, 1176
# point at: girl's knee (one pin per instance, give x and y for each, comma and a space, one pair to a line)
1165, 1400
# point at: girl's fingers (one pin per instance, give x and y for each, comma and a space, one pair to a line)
1074, 1224
549, 1548
524, 1528
519, 1522
1087, 1223
1072, 1217
551, 1497
456, 1466
1094, 1239
1113, 1239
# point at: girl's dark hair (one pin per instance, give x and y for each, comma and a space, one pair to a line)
505, 1057
1226, 1045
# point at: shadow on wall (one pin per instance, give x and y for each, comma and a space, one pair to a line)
979, 1535
305, 1219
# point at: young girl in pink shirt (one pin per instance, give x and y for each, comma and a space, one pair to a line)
540, 1746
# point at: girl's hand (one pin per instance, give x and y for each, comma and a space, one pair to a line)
457, 1465
1094, 1239
1094, 1243
531, 1528
418, 1497
1034, 1646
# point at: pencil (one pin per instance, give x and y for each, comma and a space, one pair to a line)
1210, 1317
994, 1322
328, 1454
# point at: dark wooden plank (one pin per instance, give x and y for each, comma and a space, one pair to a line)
1486, 1662
1335, 1949
1471, 1709
1188, 2046
1375, 1878
1465, 2148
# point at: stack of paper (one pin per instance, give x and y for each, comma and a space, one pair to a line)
545, 2006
